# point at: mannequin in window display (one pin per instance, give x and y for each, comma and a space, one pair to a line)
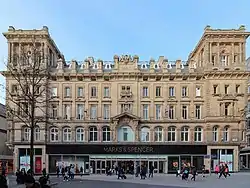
77, 169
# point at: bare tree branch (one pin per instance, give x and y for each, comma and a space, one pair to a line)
27, 89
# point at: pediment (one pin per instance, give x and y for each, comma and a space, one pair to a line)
228, 97
125, 115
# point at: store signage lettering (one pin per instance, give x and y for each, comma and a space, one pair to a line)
129, 149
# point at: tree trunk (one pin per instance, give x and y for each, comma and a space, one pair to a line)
32, 148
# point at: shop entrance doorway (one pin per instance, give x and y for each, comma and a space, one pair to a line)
98, 166
127, 165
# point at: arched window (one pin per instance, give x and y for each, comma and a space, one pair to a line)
215, 134
171, 134
93, 134
158, 134
54, 135
106, 134
80, 135
226, 134
198, 134
26, 134
145, 134
125, 134
66, 134
184, 134
37, 134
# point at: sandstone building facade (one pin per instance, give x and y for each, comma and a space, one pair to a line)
129, 111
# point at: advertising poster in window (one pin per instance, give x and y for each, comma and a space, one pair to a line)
79, 164
38, 165
228, 159
25, 163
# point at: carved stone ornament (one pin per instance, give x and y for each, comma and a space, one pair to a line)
223, 50
125, 120
125, 58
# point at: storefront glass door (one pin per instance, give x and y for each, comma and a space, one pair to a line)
103, 167
99, 167
92, 166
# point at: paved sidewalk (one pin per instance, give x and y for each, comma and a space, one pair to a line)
235, 180
13, 184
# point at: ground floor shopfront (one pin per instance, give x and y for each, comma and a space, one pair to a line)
6, 163
94, 158
161, 163
245, 159
22, 158
223, 154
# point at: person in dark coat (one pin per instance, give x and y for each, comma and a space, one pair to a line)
3, 181
44, 172
18, 177
194, 173
57, 171
63, 171
121, 173
151, 171
30, 182
143, 172
137, 170
81, 171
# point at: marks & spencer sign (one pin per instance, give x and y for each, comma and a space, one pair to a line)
124, 149
128, 149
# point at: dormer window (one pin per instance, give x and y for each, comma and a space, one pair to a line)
82, 66
157, 66
107, 66
169, 66
144, 66
95, 66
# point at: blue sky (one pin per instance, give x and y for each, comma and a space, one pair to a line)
102, 28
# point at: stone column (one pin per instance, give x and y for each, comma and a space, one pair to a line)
87, 134
240, 53
218, 54
12, 50
210, 52
52, 59
9, 52
114, 131
178, 134
136, 134
60, 134
165, 134
233, 109
152, 138
191, 136
244, 51
43, 51
221, 109
19, 49
232, 51
99, 129
73, 134
46, 56
206, 54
